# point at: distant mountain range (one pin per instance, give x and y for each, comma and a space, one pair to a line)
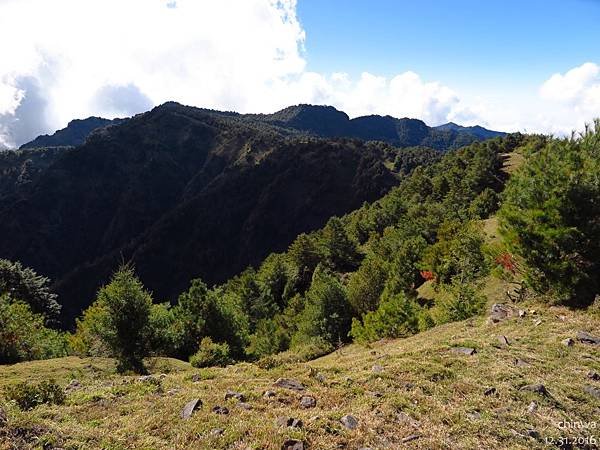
184, 192
313, 120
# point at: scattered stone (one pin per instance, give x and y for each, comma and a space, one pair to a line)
287, 383
522, 313
73, 385
216, 432
489, 391
145, 378
500, 312
593, 391
533, 433
593, 375
405, 418
196, 377
289, 422
568, 342
532, 407
172, 391
474, 416
308, 401
377, 369
537, 388
562, 317
269, 394
349, 422
587, 338
521, 363
320, 377
3, 418
220, 410
237, 395
503, 340
410, 438
464, 350
292, 444
190, 407
244, 405
538, 322
348, 380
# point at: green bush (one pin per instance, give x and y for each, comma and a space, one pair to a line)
457, 302
29, 395
23, 335
396, 316
211, 354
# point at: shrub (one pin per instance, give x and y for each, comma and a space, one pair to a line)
29, 395
458, 302
24, 337
211, 354
397, 316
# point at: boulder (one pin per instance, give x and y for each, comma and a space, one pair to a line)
503, 340
287, 383
489, 391
216, 432
532, 407
521, 363
190, 407
308, 401
220, 410
593, 375
244, 405
349, 422
587, 338
269, 394
568, 342
500, 312
289, 422
592, 390
537, 388
237, 395
292, 444
464, 350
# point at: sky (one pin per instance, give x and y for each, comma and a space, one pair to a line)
527, 65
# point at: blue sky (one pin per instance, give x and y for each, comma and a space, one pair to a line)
510, 65
465, 42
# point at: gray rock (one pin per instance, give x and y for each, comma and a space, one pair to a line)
532, 407
593, 375
73, 385
196, 377
536, 388
500, 312
568, 342
521, 363
287, 383
592, 390
464, 350
3, 418
320, 377
220, 410
474, 416
289, 422
349, 422
244, 405
216, 432
533, 433
410, 438
404, 418
269, 394
503, 340
587, 338
522, 313
292, 444
237, 395
190, 407
538, 322
146, 378
308, 401
377, 369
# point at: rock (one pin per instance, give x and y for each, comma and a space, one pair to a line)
196, 377
292, 444
73, 385
568, 342
377, 369
220, 410
593, 375
522, 313
308, 401
162, 376
349, 422
521, 363
269, 394
533, 433
410, 438
532, 407
500, 312
402, 417
593, 391
537, 388
172, 391
146, 378
190, 407
489, 391
464, 350
474, 416
216, 432
287, 383
3, 418
587, 338
289, 422
320, 377
538, 322
503, 340
244, 405
237, 395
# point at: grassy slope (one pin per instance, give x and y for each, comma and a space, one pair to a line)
421, 377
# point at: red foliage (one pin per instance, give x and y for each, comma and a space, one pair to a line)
427, 275
507, 261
